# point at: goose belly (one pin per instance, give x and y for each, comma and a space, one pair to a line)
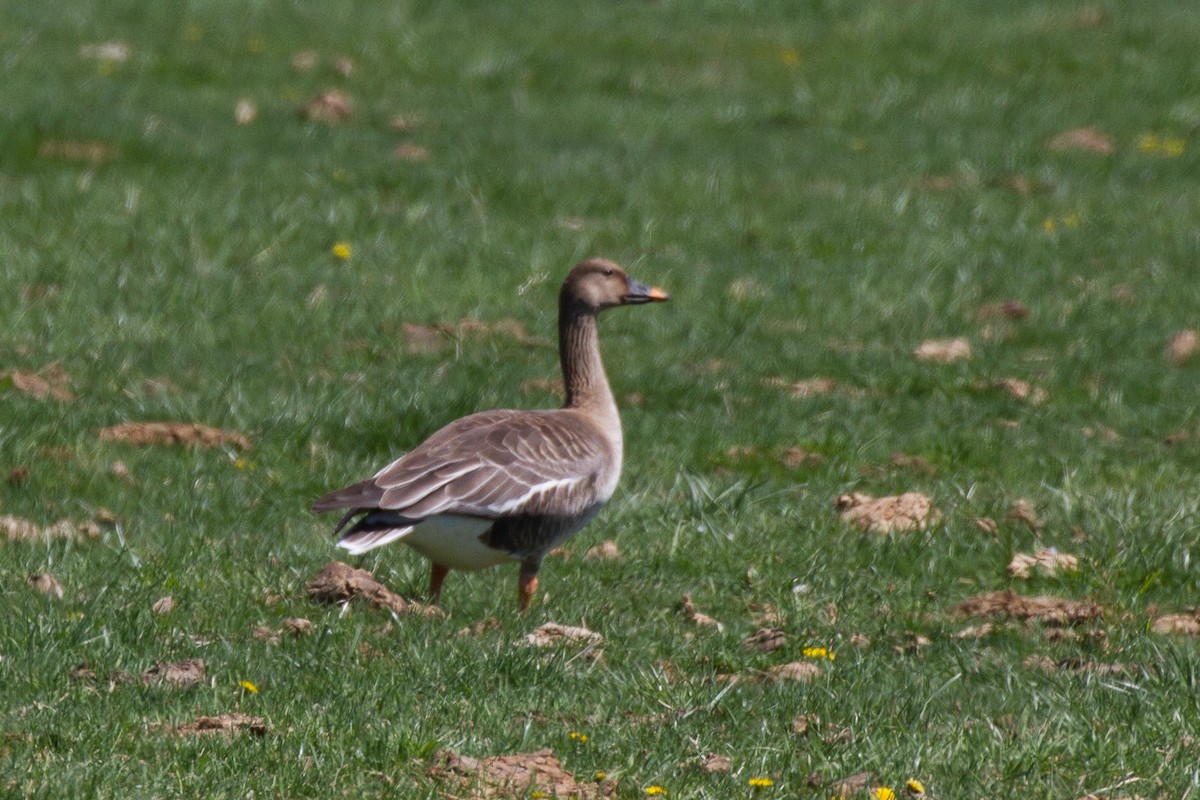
456, 542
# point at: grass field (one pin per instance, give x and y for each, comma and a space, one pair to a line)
821, 186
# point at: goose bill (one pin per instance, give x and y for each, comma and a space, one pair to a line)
639, 292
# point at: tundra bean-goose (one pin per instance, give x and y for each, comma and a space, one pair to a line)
502, 486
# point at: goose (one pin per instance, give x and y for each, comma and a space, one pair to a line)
503, 486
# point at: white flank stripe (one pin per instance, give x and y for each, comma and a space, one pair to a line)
516, 502
358, 543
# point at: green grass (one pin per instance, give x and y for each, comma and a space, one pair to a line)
785, 146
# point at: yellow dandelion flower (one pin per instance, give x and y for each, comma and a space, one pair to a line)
342, 250
1149, 143
255, 45
883, 793
914, 786
1049, 225
1173, 147
537, 794
790, 57
655, 790
761, 783
578, 737
599, 776
249, 687
818, 652
1072, 220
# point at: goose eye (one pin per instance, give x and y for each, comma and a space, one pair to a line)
608, 272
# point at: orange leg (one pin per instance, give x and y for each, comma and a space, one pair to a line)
526, 589
436, 576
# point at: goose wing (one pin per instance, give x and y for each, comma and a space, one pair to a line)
490, 465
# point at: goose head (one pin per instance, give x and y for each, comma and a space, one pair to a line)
596, 284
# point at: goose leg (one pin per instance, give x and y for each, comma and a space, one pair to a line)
436, 575
527, 585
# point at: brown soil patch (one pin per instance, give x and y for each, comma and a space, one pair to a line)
176, 674
1088, 140
1022, 511
190, 434
1045, 561
331, 106
163, 605
697, 617
943, 351
294, 626
1180, 624
1015, 388
765, 640
914, 463
1183, 346
46, 584
1078, 666
810, 387
341, 583
854, 784
512, 776
715, 763
605, 551
795, 457
480, 628
410, 151
800, 671
1045, 609
906, 512
50, 381
766, 615
16, 529
1005, 309
226, 724
552, 635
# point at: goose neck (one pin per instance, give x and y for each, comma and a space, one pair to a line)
584, 379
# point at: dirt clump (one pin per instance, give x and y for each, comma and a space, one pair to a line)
341, 583
1178, 624
176, 674
605, 551
331, 107
943, 351
46, 584
1046, 561
1183, 346
799, 671
50, 381
1043, 608
696, 617
765, 640
1088, 140
906, 512
190, 434
516, 775
553, 634
224, 724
